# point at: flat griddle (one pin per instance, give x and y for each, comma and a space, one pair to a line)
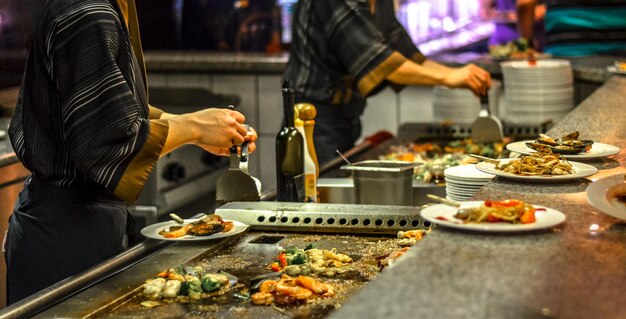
250, 257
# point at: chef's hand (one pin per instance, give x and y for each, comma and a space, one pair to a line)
469, 76
225, 151
213, 129
219, 127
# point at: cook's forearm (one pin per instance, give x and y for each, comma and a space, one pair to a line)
432, 65
411, 73
181, 131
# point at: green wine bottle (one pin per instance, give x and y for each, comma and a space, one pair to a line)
289, 154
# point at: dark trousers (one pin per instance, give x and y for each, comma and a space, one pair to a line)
58, 232
332, 132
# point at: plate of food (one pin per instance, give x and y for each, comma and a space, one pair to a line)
619, 67
608, 194
494, 216
569, 145
543, 167
208, 227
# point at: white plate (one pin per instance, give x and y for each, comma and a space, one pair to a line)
597, 195
580, 170
152, 231
614, 69
543, 219
597, 150
466, 172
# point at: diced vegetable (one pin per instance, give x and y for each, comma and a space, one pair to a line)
212, 282
275, 267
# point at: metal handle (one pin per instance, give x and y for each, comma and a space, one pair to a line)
484, 102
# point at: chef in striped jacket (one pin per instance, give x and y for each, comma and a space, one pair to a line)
84, 128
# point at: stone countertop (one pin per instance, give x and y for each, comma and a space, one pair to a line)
574, 270
183, 61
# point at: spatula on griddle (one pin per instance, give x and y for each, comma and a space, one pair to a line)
486, 128
235, 184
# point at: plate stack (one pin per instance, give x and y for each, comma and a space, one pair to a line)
535, 94
460, 105
463, 181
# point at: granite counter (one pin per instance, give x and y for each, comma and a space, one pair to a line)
575, 270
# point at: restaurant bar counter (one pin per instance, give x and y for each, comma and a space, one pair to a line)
575, 270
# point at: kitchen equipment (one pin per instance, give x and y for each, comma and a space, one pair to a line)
383, 182
365, 233
486, 128
329, 218
235, 185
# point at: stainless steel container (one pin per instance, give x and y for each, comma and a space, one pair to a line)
382, 182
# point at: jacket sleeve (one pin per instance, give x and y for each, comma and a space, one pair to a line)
105, 120
356, 40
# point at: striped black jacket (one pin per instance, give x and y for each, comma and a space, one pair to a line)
82, 114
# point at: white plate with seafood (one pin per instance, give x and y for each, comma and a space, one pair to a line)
579, 170
602, 194
154, 230
444, 215
597, 150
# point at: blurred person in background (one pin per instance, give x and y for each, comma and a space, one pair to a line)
84, 129
254, 26
344, 51
578, 27
504, 17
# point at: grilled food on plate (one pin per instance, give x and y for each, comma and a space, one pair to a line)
207, 225
567, 144
543, 162
510, 211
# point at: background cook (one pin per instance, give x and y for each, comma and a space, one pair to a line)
346, 50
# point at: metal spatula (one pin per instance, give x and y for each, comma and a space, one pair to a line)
235, 185
486, 128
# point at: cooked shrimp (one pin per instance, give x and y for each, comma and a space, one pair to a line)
316, 286
262, 298
268, 286
287, 286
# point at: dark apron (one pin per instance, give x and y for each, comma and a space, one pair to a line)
334, 131
58, 232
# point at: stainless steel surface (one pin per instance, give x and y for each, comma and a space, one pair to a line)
377, 166
245, 256
341, 191
324, 218
382, 182
234, 184
486, 128
66, 288
431, 131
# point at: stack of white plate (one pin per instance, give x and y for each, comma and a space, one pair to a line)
463, 181
535, 94
460, 105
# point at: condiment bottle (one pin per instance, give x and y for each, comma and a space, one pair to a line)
304, 122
